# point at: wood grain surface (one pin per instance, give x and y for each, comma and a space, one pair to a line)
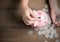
20, 34
13, 30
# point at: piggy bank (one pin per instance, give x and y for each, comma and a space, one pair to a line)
42, 19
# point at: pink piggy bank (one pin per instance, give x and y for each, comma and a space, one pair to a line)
42, 19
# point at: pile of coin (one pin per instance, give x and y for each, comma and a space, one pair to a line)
48, 30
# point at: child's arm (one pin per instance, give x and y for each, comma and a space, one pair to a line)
54, 5
54, 11
24, 3
27, 14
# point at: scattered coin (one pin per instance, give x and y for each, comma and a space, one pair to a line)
57, 40
39, 33
47, 35
45, 10
46, 6
30, 32
56, 35
36, 29
51, 36
45, 41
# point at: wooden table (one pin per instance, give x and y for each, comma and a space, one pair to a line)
12, 30
20, 34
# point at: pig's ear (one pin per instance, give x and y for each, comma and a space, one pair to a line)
36, 24
39, 17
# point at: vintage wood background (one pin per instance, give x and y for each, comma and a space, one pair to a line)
13, 30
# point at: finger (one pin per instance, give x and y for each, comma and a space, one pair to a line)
25, 22
29, 22
30, 18
33, 14
54, 18
55, 22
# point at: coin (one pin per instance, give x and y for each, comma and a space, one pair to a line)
30, 32
39, 33
56, 35
46, 41
57, 40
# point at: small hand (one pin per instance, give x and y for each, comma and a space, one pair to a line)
28, 16
53, 16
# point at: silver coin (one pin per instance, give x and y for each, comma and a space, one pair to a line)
56, 35
41, 28
51, 28
57, 40
45, 10
39, 33
46, 27
43, 32
30, 32
48, 31
36, 29
45, 41
46, 6
51, 36
53, 31
47, 35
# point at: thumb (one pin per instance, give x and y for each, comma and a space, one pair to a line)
33, 14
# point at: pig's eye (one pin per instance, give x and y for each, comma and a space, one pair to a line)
39, 17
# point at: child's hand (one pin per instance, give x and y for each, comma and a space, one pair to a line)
53, 16
28, 16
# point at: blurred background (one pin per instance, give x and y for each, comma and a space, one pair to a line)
12, 28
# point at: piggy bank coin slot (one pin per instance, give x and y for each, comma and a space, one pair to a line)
39, 17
